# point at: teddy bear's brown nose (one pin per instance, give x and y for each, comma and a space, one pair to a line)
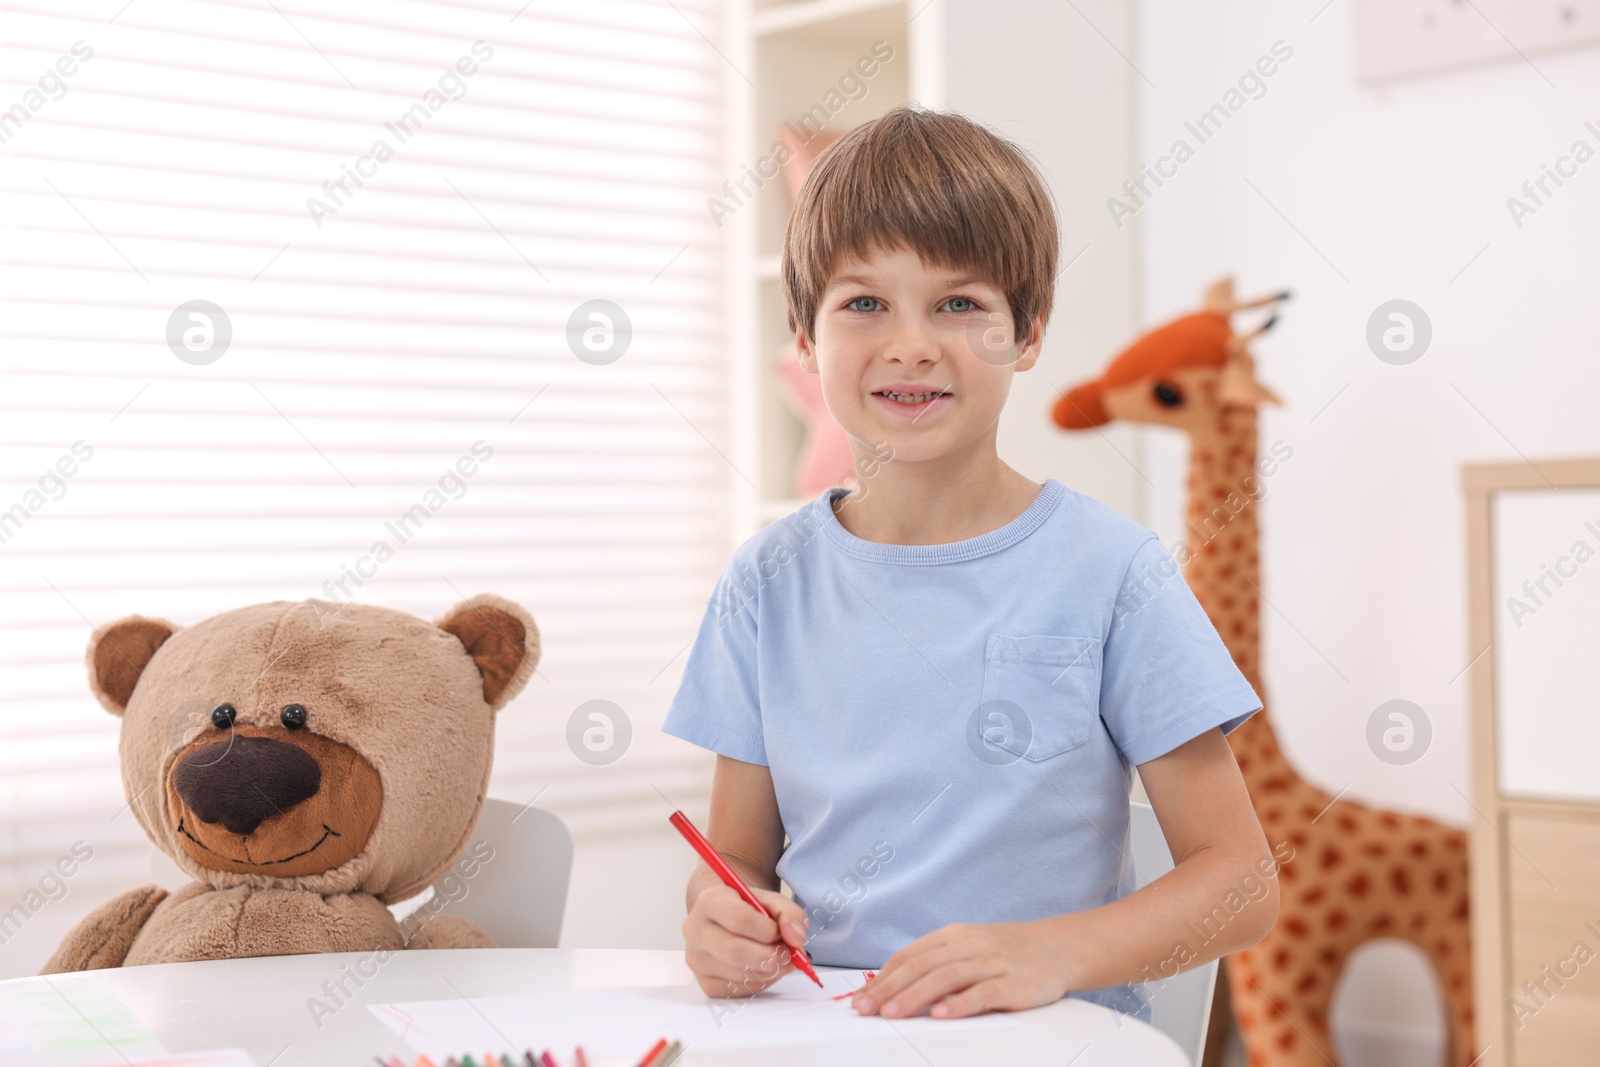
244, 780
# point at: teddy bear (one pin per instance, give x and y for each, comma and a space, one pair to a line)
308, 764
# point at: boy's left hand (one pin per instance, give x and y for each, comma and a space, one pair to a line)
965, 969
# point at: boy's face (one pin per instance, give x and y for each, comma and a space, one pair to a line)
942, 341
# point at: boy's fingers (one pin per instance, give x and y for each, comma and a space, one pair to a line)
791, 917
872, 997
727, 909
740, 953
938, 983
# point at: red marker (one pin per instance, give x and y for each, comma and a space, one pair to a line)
731, 879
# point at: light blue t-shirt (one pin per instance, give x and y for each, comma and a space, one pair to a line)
950, 728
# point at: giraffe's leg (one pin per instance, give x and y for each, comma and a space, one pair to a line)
1455, 979
1221, 1019
1281, 1028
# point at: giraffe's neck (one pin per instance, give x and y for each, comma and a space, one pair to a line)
1223, 569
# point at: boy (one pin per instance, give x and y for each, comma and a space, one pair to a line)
934, 685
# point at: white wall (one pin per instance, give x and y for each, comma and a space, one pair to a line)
1397, 190
1364, 554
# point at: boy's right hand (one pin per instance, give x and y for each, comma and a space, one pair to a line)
734, 950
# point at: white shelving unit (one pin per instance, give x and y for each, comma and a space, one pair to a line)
1035, 72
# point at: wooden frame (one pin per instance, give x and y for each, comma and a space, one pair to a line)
1493, 981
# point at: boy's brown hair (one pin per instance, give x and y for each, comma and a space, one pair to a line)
937, 183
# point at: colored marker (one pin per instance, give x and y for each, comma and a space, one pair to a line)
655, 1050
731, 879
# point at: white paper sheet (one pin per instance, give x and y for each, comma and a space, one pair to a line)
622, 1023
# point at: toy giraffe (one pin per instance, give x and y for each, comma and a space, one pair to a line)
1356, 873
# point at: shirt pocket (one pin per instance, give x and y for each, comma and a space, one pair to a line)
1041, 695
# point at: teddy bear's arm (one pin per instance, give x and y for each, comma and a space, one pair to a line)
450, 931
104, 936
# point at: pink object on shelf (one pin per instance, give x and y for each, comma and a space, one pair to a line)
825, 457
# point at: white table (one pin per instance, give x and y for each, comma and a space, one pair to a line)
260, 1005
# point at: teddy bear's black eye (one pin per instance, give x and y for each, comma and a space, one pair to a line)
1168, 395
294, 716
222, 716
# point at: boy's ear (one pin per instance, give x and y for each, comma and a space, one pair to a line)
117, 655
1030, 347
804, 353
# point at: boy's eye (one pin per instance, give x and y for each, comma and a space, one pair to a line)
970, 305
852, 305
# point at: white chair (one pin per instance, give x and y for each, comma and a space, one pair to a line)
1179, 1007
519, 897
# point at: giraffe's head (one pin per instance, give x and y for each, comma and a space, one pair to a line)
1182, 374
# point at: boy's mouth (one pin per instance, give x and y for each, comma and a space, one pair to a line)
914, 404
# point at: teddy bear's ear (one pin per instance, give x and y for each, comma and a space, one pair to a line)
502, 640
118, 654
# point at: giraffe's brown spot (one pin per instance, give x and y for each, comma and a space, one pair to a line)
1312, 895
1400, 878
1419, 920
1460, 911
1307, 982
1455, 842
1336, 919
1418, 848
1287, 1038
1382, 922
1329, 956
1298, 839
1295, 925
1347, 822
1376, 848
1309, 811
1287, 873
1280, 959
1441, 880
1389, 819
1331, 857
1276, 784
1358, 886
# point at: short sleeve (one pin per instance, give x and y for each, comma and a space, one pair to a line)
1166, 676
717, 705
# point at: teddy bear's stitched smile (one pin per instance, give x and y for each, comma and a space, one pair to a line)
327, 832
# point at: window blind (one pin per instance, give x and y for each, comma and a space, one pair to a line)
396, 215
